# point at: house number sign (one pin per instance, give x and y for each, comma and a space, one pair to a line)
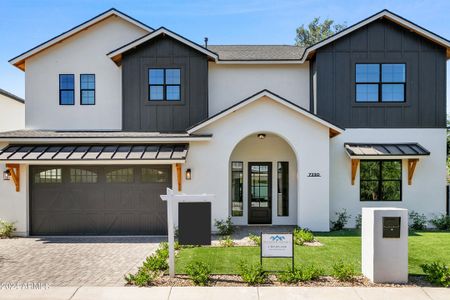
312, 174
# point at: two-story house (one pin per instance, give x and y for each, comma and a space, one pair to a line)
117, 111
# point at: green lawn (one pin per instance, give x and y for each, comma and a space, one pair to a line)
423, 247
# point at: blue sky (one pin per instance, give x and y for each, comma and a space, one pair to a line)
24, 24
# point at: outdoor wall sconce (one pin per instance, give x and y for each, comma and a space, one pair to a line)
262, 136
188, 174
7, 175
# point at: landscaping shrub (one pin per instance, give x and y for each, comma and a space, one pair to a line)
417, 221
252, 273
143, 277
6, 229
158, 260
300, 273
358, 221
226, 241
441, 222
225, 227
437, 273
343, 271
341, 221
255, 239
303, 235
199, 273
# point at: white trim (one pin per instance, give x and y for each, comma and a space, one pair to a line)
104, 140
257, 97
156, 33
383, 14
75, 31
96, 162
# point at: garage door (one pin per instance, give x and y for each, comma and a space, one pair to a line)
98, 200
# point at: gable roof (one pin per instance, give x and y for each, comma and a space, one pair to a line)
257, 52
382, 14
19, 61
334, 129
11, 96
116, 55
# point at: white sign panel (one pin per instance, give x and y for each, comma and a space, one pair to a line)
276, 245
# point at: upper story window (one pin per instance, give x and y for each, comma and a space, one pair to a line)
164, 84
66, 89
380, 82
87, 89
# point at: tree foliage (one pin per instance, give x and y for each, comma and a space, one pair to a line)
317, 31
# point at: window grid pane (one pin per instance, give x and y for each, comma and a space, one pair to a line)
125, 175
83, 176
164, 84
393, 92
283, 189
381, 180
367, 93
367, 73
237, 175
48, 176
154, 175
393, 72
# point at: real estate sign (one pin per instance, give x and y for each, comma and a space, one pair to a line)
277, 245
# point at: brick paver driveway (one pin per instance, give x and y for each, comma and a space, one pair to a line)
73, 261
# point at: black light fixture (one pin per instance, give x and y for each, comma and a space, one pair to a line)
261, 136
6, 175
188, 174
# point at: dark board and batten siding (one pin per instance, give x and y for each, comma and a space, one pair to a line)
382, 42
139, 114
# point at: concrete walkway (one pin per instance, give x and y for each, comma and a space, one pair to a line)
235, 293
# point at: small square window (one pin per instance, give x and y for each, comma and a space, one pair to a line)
164, 84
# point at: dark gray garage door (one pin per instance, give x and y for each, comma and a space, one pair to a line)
98, 200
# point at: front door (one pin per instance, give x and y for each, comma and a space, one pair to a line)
259, 193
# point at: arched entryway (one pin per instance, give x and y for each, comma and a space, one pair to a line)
263, 181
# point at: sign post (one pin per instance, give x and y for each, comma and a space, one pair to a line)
172, 199
277, 245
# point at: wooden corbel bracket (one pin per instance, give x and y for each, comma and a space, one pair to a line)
14, 170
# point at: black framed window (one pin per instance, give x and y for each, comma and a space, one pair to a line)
164, 84
237, 176
66, 89
87, 89
380, 82
283, 189
381, 180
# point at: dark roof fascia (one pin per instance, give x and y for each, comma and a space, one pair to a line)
161, 28
12, 96
255, 94
80, 25
426, 152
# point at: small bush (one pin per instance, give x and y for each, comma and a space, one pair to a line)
343, 271
417, 221
301, 273
252, 274
437, 273
225, 227
158, 260
341, 221
255, 239
358, 221
441, 222
143, 277
226, 241
199, 273
6, 229
302, 236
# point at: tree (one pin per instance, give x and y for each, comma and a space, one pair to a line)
317, 31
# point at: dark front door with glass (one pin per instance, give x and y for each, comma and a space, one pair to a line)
260, 193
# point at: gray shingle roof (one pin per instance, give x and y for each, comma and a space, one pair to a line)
257, 52
26, 133
11, 96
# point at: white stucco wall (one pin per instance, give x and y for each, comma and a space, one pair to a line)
12, 114
14, 205
229, 84
84, 52
270, 149
426, 194
309, 140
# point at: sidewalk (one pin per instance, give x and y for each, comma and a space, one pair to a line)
235, 293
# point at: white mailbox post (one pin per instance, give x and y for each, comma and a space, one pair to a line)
385, 244
172, 199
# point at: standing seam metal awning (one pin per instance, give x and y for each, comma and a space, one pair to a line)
113, 152
387, 151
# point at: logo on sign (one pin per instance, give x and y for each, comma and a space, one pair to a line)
277, 238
